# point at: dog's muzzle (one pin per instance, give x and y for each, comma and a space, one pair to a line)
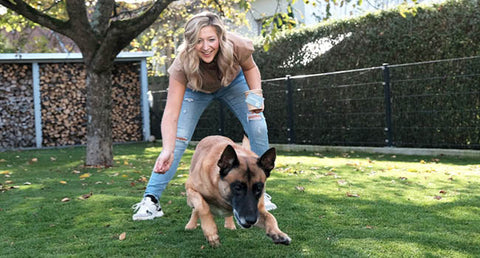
245, 221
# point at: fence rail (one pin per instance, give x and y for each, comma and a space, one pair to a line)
434, 104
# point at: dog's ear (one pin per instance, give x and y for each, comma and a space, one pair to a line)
267, 161
227, 161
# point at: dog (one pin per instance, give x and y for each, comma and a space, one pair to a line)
228, 180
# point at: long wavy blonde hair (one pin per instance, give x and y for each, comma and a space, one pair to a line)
189, 57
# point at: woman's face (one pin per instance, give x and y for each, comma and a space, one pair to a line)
207, 44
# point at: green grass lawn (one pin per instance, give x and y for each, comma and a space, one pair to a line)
330, 204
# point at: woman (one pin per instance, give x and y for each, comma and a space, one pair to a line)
211, 64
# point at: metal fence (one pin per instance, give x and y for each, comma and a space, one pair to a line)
432, 104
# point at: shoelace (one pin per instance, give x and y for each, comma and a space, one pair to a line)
137, 206
267, 196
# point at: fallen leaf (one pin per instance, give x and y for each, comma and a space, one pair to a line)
300, 188
85, 175
125, 162
402, 178
443, 191
368, 227
437, 197
66, 199
412, 170
34, 160
86, 196
53, 158
122, 236
27, 183
76, 172
63, 182
8, 182
352, 194
6, 172
422, 161
342, 182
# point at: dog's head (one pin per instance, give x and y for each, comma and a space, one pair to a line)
245, 177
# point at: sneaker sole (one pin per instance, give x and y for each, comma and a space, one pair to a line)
158, 215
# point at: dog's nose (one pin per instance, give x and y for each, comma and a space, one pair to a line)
250, 221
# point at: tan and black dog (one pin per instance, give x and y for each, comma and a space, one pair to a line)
227, 179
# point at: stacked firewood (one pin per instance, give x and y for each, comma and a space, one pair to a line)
126, 100
63, 91
17, 120
63, 98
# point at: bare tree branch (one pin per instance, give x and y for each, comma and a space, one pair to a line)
101, 15
22, 8
122, 32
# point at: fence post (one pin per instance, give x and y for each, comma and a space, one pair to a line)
290, 111
388, 104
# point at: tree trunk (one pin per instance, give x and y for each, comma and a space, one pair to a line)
99, 122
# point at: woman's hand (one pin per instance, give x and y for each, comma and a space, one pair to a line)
163, 163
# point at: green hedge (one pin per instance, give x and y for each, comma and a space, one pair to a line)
434, 104
448, 30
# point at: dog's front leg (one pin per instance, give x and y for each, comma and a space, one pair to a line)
202, 209
229, 223
269, 223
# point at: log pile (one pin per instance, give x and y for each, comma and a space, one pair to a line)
126, 99
17, 120
63, 98
63, 91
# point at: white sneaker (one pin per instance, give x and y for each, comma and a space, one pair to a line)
146, 210
269, 205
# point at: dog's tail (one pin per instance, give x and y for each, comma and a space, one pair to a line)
246, 142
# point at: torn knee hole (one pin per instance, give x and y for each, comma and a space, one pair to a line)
254, 116
181, 139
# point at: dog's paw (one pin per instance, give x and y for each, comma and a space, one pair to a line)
229, 223
280, 238
191, 225
214, 241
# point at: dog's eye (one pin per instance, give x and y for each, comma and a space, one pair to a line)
258, 188
238, 187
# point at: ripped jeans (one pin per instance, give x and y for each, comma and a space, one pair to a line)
194, 103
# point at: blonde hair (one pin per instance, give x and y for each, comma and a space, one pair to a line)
189, 57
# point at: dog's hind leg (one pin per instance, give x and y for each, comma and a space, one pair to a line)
229, 223
192, 223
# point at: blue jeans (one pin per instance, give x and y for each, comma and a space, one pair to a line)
194, 103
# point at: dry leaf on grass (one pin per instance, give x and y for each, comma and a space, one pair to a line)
300, 188
86, 196
85, 175
352, 194
66, 199
437, 197
122, 236
443, 191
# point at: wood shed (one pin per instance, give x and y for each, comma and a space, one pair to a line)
43, 99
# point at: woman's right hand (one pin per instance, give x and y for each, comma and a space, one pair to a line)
163, 163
